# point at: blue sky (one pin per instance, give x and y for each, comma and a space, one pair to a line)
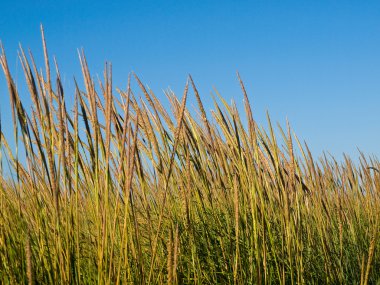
316, 63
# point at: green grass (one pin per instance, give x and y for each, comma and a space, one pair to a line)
117, 190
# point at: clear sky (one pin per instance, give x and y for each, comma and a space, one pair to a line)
316, 63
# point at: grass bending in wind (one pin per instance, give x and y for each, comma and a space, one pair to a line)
117, 190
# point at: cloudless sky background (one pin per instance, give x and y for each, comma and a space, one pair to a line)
316, 63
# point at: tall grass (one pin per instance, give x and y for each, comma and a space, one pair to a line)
119, 190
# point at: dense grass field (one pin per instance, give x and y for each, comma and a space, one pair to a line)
117, 189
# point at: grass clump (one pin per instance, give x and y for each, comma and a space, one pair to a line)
118, 190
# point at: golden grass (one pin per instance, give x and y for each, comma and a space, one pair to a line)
117, 191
